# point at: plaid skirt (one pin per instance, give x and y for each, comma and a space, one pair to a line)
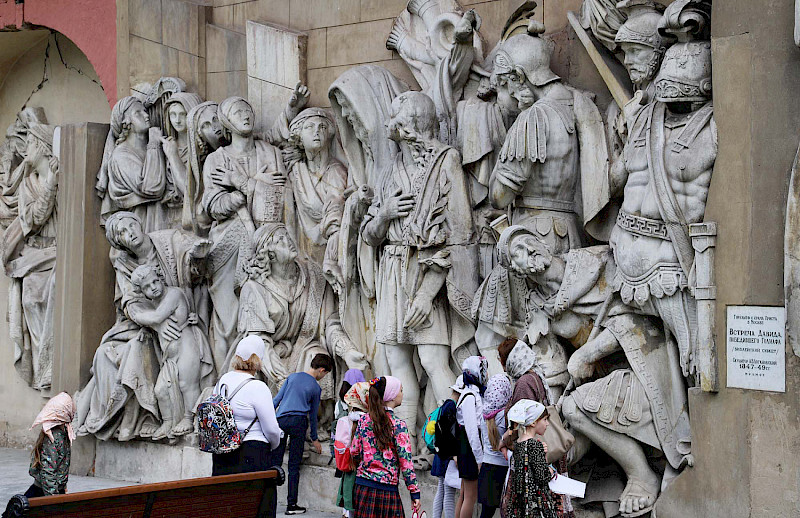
372, 502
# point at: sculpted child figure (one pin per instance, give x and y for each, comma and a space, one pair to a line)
165, 309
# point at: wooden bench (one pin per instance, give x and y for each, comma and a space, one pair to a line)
244, 495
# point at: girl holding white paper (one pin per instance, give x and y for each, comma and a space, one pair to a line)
528, 494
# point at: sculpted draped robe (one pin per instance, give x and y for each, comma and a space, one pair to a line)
126, 362
232, 241
438, 232
317, 207
137, 183
298, 323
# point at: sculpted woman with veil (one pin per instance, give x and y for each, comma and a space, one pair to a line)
361, 100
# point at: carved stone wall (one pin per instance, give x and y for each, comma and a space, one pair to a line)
71, 93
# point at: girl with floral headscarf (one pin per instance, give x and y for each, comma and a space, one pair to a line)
355, 399
51, 454
495, 464
469, 414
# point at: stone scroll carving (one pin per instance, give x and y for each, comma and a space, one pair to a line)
401, 230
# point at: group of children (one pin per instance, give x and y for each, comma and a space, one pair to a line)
499, 457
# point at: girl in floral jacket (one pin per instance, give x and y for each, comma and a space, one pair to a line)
382, 446
51, 455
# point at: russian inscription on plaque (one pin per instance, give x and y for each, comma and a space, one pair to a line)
757, 348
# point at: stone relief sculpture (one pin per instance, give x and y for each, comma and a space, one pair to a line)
243, 188
29, 256
317, 183
133, 173
421, 222
370, 251
556, 144
12, 153
121, 400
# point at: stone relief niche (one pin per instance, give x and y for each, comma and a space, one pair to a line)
402, 231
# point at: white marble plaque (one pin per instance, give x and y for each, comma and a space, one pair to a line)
757, 348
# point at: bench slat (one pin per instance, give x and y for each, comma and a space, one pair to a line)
240, 495
150, 488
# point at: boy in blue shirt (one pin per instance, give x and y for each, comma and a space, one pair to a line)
296, 407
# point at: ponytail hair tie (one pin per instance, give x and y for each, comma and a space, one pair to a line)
374, 381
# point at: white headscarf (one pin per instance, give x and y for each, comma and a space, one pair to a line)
525, 412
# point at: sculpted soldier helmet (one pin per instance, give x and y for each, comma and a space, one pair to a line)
685, 74
642, 24
529, 53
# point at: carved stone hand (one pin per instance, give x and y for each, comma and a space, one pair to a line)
398, 205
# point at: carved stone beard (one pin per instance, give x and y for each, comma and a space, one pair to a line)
652, 69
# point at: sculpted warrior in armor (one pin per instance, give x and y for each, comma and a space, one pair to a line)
29, 256
643, 46
243, 188
665, 172
556, 143
421, 221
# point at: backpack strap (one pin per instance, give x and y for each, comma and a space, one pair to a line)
462, 397
237, 389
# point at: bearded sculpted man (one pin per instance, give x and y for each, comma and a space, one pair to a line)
133, 174
29, 256
421, 221
361, 100
120, 399
664, 173
243, 188
554, 148
643, 47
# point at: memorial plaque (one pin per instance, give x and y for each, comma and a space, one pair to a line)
757, 348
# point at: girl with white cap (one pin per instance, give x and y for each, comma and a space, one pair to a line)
529, 495
251, 403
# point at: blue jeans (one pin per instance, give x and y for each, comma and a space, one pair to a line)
294, 432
